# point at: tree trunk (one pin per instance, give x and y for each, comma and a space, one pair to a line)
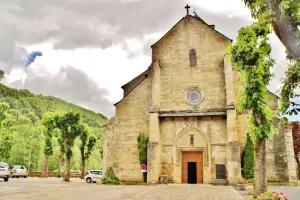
260, 183
68, 158
298, 166
45, 171
67, 171
61, 156
82, 165
285, 31
82, 170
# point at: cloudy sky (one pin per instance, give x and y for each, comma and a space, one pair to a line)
92, 47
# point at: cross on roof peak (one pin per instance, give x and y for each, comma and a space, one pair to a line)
187, 7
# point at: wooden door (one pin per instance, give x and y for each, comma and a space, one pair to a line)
192, 156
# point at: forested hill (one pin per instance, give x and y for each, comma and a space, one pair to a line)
22, 133
25, 107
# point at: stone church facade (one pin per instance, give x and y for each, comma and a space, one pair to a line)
186, 103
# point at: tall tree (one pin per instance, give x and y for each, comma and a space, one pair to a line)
68, 125
87, 146
284, 16
49, 123
251, 55
61, 155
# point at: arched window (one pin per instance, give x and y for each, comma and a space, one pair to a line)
193, 57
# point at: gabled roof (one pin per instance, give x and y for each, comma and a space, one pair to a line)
144, 72
197, 18
145, 76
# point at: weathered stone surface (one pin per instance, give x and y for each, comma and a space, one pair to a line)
156, 103
249, 189
190, 192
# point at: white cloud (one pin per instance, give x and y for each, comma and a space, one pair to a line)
108, 40
110, 68
236, 7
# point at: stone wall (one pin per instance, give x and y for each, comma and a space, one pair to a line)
209, 136
163, 88
177, 76
120, 140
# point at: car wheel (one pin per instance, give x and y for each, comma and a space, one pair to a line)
17, 176
6, 179
88, 180
25, 176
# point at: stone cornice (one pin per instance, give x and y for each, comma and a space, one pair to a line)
189, 114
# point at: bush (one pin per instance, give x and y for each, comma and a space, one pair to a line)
142, 146
249, 159
110, 177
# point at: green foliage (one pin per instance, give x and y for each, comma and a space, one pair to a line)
251, 55
26, 102
268, 10
5, 146
284, 16
249, 159
290, 84
142, 147
24, 127
90, 146
26, 149
271, 196
3, 110
110, 177
49, 123
69, 125
87, 143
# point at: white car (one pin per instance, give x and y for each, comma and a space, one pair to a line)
93, 176
18, 171
4, 171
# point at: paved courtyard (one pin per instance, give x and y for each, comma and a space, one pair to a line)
56, 189
291, 192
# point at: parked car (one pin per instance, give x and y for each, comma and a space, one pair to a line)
18, 171
93, 176
4, 171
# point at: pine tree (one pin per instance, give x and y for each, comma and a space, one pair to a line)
249, 159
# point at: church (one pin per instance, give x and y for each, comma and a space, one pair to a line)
186, 102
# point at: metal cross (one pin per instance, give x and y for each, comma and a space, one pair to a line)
187, 7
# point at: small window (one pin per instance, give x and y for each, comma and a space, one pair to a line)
193, 57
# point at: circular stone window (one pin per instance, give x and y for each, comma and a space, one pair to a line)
194, 96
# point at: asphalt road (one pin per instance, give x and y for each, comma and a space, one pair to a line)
56, 189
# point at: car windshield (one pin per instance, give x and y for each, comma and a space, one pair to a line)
3, 165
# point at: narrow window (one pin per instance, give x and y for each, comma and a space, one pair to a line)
193, 58
192, 140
